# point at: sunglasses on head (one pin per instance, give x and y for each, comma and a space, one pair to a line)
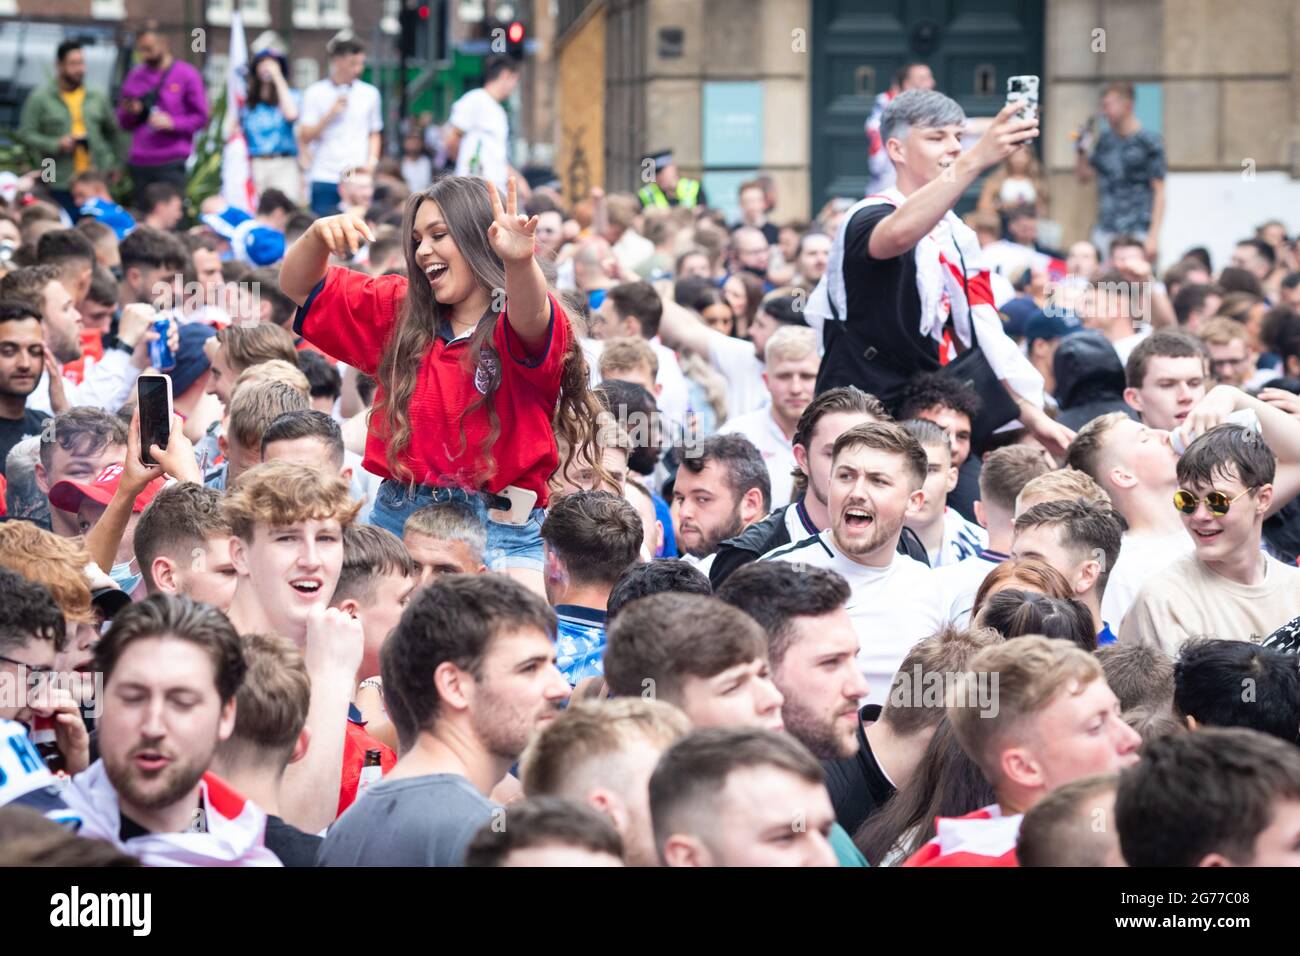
1216, 501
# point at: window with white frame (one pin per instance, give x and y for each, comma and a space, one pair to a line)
102, 9
255, 13
322, 14
333, 13
390, 23
306, 71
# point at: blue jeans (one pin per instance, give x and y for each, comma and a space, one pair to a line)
325, 199
508, 545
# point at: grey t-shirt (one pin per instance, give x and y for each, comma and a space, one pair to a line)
420, 821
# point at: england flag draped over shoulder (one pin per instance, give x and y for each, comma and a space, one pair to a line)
236, 169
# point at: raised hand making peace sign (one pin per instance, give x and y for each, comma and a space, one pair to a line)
510, 234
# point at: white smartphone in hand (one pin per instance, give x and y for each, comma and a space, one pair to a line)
521, 505
1023, 90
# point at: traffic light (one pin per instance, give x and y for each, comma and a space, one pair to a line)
515, 35
506, 38
412, 18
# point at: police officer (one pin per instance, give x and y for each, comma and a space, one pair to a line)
669, 188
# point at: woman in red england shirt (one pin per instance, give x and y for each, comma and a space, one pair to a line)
474, 348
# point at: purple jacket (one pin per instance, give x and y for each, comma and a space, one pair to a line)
182, 97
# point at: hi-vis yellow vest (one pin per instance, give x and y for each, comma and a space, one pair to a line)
688, 193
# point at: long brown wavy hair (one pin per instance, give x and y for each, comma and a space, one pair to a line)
467, 210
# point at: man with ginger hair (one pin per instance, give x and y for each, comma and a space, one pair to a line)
1049, 719
602, 753
287, 523
60, 565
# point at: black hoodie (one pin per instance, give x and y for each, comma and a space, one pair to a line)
1089, 379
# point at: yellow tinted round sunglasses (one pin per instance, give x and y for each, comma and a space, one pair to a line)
1216, 501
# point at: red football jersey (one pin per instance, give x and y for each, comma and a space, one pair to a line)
355, 745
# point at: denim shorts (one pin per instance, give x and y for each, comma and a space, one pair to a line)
324, 199
508, 545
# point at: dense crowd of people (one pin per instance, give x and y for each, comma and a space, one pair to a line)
620, 534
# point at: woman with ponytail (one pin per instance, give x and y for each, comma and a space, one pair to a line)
478, 369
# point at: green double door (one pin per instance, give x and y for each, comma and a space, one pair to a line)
972, 46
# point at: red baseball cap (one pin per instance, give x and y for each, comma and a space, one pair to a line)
68, 495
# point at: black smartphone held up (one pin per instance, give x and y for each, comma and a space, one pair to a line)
154, 399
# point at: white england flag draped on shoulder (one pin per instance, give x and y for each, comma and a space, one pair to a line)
236, 169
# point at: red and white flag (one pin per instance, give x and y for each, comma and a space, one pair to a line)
983, 838
236, 168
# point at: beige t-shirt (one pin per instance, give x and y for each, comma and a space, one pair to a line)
1187, 599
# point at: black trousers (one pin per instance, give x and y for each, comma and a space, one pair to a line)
142, 176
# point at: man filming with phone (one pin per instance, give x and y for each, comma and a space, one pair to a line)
108, 506
904, 292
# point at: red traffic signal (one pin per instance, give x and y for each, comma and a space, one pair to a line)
424, 11
515, 32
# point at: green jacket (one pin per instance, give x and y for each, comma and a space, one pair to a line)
45, 120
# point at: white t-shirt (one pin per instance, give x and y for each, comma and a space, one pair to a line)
1140, 556
703, 565
959, 583
105, 384
1124, 347
778, 453
674, 390
962, 539
892, 608
345, 141
633, 249
740, 366
364, 485
417, 171
485, 129
591, 351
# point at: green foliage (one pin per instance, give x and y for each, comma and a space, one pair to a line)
205, 174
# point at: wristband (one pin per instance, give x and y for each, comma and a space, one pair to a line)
122, 347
